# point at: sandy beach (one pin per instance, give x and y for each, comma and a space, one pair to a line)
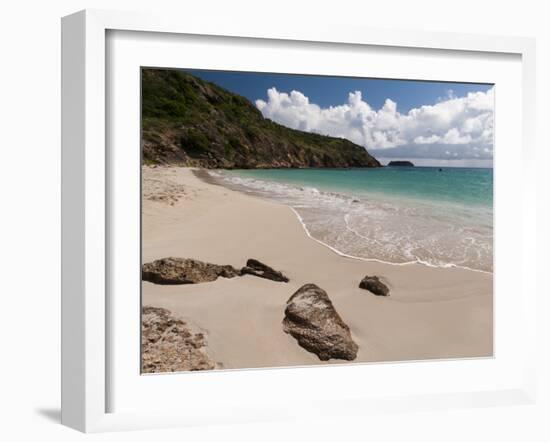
430, 313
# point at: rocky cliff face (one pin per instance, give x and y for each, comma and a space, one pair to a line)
191, 122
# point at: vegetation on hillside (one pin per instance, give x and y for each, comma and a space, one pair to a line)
188, 121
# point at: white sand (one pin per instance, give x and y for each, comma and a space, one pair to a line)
431, 312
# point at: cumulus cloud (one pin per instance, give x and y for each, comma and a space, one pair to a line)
452, 128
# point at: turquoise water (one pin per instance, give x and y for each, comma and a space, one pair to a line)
451, 184
436, 216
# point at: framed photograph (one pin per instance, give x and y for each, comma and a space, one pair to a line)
292, 223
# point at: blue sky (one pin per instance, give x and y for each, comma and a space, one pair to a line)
330, 91
442, 122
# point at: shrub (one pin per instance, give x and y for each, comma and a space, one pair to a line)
195, 140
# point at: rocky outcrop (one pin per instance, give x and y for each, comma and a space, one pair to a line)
374, 285
191, 122
313, 321
257, 268
400, 164
170, 344
184, 271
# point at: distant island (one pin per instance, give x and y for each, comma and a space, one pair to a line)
401, 164
187, 121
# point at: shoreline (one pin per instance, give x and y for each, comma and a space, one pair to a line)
204, 175
432, 312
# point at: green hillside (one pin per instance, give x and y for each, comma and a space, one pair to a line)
191, 122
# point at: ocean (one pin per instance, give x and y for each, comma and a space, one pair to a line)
440, 217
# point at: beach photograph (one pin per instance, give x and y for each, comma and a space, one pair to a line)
303, 220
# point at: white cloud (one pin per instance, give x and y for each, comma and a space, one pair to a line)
427, 140
453, 136
456, 127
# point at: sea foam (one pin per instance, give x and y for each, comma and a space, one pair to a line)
375, 227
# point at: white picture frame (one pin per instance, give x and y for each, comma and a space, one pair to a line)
86, 315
